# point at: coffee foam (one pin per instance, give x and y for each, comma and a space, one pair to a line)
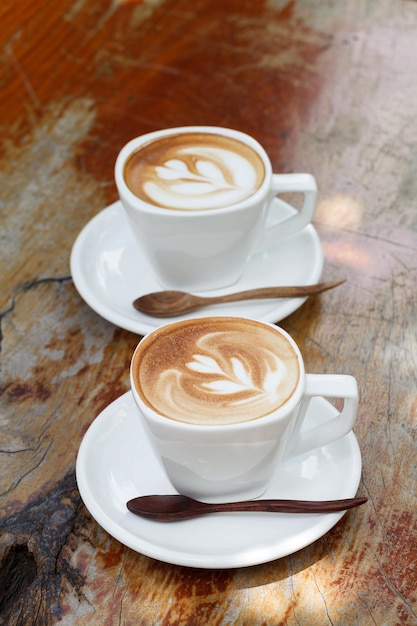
194, 171
215, 371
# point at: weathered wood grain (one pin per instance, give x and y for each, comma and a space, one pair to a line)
328, 88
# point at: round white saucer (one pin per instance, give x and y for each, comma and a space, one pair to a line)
116, 463
110, 271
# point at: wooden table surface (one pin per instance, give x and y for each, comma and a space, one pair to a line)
328, 88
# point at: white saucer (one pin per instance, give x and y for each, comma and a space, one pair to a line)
110, 271
115, 463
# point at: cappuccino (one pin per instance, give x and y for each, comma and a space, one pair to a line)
194, 171
215, 371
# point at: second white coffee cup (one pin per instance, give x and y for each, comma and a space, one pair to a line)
198, 208
224, 400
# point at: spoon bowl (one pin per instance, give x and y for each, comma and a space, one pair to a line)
170, 303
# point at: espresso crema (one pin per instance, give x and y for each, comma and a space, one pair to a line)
215, 371
194, 171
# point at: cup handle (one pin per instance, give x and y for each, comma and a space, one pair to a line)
327, 385
304, 183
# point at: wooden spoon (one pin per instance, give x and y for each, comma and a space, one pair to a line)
176, 507
170, 303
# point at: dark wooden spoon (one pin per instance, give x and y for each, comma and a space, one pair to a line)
170, 303
176, 507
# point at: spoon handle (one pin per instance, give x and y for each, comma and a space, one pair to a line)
289, 506
274, 292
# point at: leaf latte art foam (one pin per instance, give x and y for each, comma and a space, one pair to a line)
194, 171
215, 370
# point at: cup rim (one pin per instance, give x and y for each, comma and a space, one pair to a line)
134, 143
215, 429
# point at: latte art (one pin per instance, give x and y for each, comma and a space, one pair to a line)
215, 371
194, 171
235, 377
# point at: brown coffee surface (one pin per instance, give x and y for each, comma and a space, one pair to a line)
194, 171
215, 370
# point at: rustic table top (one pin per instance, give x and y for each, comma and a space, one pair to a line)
328, 88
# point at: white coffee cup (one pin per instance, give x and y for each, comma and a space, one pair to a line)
222, 412
217, 203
